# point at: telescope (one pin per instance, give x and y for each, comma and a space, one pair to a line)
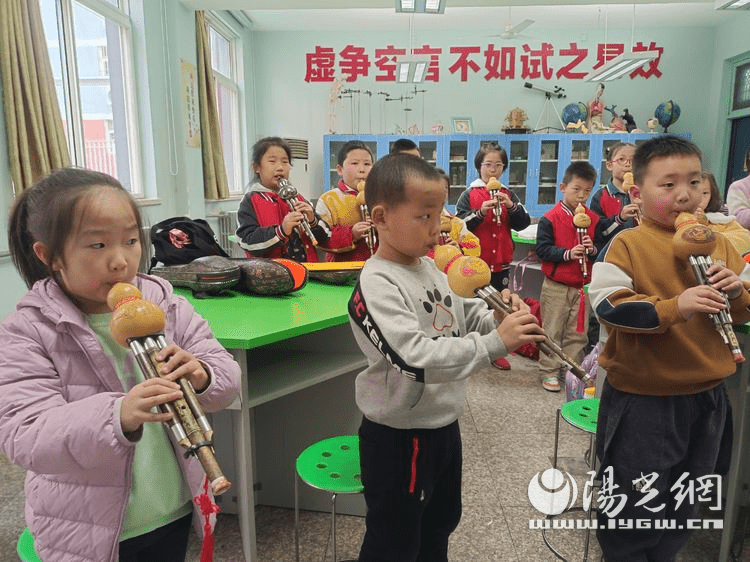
558, 92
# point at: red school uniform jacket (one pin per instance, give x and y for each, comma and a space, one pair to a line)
260, 234
556, 235
495, 241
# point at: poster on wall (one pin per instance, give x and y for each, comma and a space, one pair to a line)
190, 111
483, 62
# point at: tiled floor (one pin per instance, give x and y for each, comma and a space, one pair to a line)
508, 432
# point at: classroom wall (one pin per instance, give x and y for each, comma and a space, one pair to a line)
688, 55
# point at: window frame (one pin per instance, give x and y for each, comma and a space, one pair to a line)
736, 104
236, 181
71, 83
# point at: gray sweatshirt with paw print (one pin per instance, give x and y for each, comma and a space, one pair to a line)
421, 342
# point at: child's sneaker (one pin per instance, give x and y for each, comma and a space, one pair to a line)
501, 363
551, 383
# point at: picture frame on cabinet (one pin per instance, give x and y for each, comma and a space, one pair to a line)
462, 125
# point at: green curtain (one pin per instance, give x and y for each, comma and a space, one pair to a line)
36, 137
214, 173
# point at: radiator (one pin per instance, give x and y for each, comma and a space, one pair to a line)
227, 228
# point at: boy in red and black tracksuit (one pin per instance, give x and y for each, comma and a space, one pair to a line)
563, 255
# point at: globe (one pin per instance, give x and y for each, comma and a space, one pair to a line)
667, 113
574, 112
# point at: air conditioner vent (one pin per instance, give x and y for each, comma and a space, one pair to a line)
299, 148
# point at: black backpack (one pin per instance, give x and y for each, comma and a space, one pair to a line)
180, 240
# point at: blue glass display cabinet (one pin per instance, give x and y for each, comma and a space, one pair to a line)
536, 162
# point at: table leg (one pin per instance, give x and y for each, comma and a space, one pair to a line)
244, 464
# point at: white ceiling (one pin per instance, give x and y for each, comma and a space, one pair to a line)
578, 17
465, 15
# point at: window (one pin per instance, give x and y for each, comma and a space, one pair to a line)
741, 98
224, 63
89, 43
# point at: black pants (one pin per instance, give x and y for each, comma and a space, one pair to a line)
165, 544
412, 481
668, 436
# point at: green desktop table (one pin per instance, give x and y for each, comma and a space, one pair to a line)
243, 321
299, 361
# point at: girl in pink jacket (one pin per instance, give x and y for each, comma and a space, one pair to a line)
102, 482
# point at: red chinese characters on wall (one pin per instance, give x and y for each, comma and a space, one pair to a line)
385, 61
464, 62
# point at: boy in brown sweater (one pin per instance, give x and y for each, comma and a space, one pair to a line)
664, 421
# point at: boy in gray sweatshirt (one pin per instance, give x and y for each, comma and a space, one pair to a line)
422, 342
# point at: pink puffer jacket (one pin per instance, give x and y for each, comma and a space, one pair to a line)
60, 403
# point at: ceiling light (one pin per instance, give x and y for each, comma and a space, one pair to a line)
403, 71
412, 69
421, 6
732, 5
419, 70
620, 65
432, 6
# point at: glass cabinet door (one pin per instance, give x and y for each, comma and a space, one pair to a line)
518, 166
580, 150
429, 151
335, 146
604, 174
457, 163
549, 161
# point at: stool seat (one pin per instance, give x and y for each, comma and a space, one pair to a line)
25, 547
332, 465
581, 413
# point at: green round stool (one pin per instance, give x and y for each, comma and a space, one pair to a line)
331, 465
25, 547
581, 414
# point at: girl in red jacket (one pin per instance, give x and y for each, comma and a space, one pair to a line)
268, 226
480, 210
